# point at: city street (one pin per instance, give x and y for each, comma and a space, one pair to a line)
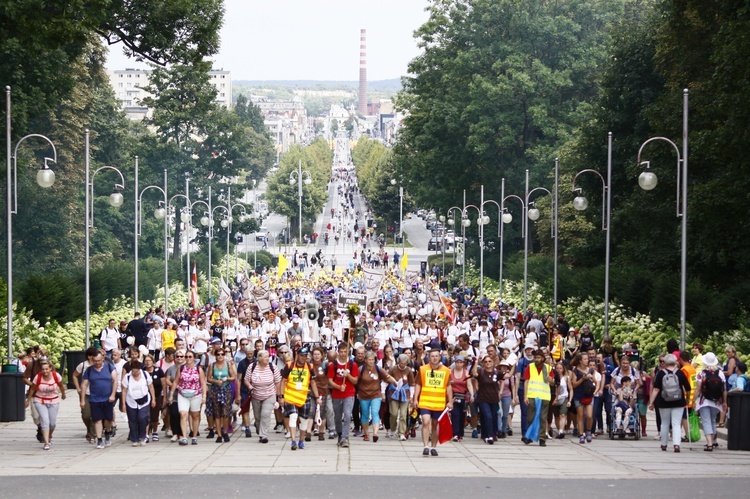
615, 463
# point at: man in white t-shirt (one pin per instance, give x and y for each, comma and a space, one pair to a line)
110, 338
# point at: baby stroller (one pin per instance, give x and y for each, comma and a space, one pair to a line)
630, 426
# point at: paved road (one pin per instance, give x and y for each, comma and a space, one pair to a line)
391, 487
602, 459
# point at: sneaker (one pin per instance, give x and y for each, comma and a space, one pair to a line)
183, 441
315, 432
331, 435
582, 440
168, 433
560, 436
294, 445
321, 436
413, 433
426, 452
146, 439
474, 434
402, 438
226, 437
248, 433
278, 427
155, 437
301, 444
107, 441
525, 440
542, 443
344, 443
263, 440
576, 433
175, 438
113, 432
510, 432
211, 434
219, 440
588, 438
433, 452
144, 442
489, 441
99, 443
501, 435
164, 428
308, 438
136, 444
39, 436
658, 436
358, 433
46, 447
194, 441
287, 434
455, 439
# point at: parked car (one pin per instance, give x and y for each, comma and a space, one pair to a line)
261, 233
435, 244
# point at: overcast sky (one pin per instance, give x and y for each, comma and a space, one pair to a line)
312, 39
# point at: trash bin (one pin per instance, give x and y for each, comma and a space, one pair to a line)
12, 396
738, 437
70, 360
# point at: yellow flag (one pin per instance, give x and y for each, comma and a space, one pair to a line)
283, 264
404, 262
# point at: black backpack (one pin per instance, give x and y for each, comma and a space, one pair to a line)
712, 386
588, 387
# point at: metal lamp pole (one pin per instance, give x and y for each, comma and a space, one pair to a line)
648, 180
580, 203
506, 218
533, 215
116, 200
308, 181
160, 214
44, 178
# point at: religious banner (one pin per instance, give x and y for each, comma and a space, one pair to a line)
373, 281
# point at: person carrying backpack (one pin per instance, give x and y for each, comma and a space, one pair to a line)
710, 397
673, 388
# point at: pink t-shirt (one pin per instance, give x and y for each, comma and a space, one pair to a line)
46, 391
190, 379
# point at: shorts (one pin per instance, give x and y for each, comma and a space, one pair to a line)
582, 402
185, 404
561, 409
102, 411
433, 414
305, 412
642, 407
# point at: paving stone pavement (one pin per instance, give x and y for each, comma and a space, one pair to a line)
603, 458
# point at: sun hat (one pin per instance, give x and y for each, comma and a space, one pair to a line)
710, 360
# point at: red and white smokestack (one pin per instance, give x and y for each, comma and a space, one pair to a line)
362, 104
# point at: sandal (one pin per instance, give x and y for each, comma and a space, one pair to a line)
677, 448
720, 425
366, 437
708, 448
664, 448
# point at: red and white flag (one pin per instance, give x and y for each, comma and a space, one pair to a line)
194, 287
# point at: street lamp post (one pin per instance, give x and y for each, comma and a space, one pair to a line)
506, 217
116, 200
580, 203
298, 180
160, 214
44, 178
648, 180
452, 223
230, 220
400, 214
255, 241
184, 218
205, 221
532, 212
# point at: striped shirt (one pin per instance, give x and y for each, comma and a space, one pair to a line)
263, 381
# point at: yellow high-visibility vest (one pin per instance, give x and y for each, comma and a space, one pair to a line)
537, 387
297, 385
434, 387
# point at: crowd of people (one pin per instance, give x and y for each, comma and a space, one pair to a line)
417, 358
385, 371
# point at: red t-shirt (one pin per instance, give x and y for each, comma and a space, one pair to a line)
336, 373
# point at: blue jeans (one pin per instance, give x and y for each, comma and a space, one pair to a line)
708, 419
524, 408
598, 421
370, 411
488, 415
502, 419
138, 420
458, 417
342, 415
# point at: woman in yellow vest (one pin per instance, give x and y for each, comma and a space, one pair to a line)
433, 393
536, 393
296, 383
556, 346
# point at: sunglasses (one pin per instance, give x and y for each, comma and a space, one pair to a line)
179, 356
220, 355
190, 357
